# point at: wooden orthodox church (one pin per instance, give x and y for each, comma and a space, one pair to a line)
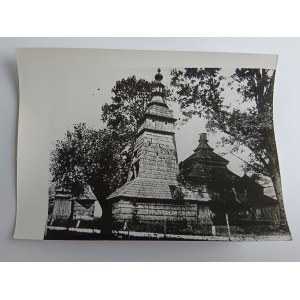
200, 196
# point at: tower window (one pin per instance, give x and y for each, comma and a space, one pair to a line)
166, 123
135, 170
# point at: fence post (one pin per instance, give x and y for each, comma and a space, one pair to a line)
228, 227
213, 230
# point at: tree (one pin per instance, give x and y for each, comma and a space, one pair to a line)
89, 157
200, 92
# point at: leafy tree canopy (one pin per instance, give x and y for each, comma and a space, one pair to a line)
88, 157
200, 92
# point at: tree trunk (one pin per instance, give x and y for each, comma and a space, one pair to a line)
278, 191
106, 219
276, 180
274, 171
70, 220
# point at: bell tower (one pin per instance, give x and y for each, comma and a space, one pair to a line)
155, 154
154, 167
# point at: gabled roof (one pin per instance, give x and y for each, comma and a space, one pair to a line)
87, 195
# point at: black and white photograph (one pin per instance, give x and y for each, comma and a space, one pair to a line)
163, 153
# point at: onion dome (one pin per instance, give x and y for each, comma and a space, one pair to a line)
158, 76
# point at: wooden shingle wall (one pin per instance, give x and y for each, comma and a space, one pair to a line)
158, 157
152, 211
62, 208
154, 124
83, 213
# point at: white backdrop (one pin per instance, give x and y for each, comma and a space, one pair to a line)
286, 106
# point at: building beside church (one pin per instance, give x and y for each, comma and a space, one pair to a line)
73, 212
199, 196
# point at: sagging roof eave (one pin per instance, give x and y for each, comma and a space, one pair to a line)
127, 197
154, 131
118, 197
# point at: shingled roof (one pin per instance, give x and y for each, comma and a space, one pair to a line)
159, 110
63, 194
158, 189
209, 173
145, 188
205, 153
206, 165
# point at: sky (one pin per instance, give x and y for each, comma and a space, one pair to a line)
78, 93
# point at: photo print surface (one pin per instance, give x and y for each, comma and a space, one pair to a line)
163, 153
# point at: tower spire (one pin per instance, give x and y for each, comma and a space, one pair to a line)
203, 142
158, 93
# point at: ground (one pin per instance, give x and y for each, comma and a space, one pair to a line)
74, 234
